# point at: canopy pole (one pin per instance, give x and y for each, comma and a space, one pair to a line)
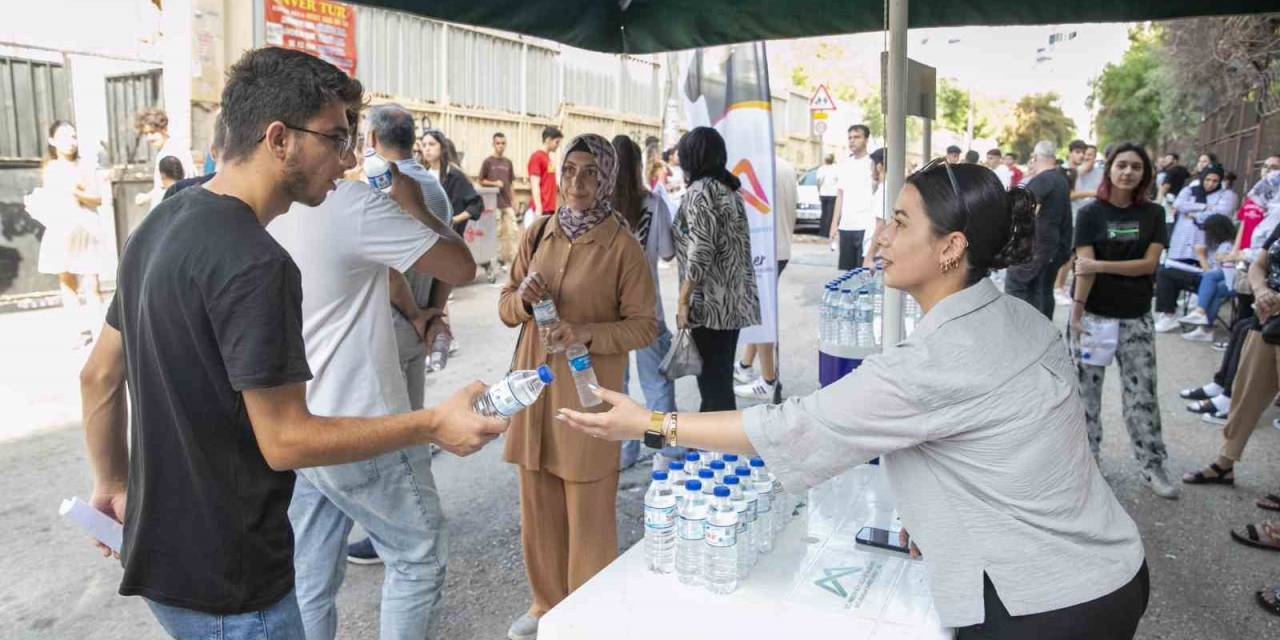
895, 147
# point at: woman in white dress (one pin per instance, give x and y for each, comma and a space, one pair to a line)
68, 208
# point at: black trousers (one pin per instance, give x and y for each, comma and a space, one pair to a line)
828, 212
851, 249
1114, 616
718, 350
1035, 288
1226, 375
1171, 282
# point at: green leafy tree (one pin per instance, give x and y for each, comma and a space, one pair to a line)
1037, 117
953, 105
1128, 94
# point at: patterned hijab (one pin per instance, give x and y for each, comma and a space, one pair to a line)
576, 223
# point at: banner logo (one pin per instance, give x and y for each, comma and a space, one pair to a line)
756, 196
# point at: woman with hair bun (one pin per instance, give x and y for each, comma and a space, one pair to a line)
1119, 238
978, 421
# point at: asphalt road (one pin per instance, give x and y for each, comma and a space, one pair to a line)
53, 585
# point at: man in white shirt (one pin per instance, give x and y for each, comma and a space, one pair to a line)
828, 189
785, 186
855, 215
153, 125
995, 162
344, 248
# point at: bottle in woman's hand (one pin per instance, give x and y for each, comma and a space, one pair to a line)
584, 376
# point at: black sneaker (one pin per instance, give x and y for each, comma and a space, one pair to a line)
362, 552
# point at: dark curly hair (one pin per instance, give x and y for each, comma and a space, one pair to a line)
999, 225
280, 85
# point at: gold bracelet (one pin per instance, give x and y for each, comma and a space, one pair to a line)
675, 424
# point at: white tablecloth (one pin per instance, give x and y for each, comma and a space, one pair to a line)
816, 579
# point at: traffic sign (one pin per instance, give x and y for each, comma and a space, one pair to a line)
821, 100
819, 127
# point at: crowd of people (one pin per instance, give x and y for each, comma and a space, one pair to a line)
272, 318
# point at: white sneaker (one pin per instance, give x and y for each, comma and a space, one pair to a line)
1061, 298
1158, 478
1165, 323
758, 390
1198, 335
1214, 417
1196, 317
743, 375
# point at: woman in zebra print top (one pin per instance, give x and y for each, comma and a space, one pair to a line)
718, 294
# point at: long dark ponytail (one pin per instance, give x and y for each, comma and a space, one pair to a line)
629, 189
703, 155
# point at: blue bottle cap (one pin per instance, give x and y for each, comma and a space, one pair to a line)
693, 485
692, 456
757, 461
659, 475
722, 492
676, 465
706, 473
545, 375
729, 457
732, 480
718, 465
742, 470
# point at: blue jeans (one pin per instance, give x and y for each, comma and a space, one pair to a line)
280, 621
394, 498
1213, 291
659, 392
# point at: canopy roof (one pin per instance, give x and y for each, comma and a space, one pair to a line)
648, 26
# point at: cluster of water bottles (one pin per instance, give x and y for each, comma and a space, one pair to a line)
519, 389
853, 308
710, 517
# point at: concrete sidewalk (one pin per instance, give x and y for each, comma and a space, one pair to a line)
57, 587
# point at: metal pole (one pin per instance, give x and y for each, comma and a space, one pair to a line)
896, 146
926, 137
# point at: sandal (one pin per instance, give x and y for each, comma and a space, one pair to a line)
1270, 502
1202, 407
1272, 605
1264, 536
1224, 476
1194, 393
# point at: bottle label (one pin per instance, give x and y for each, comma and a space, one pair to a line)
718, 536
504, 399
764, 503
544, 312
580, 363
381, 181
691, 529
660, 518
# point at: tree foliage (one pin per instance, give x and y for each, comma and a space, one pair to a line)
1128, 94
1037, 117
953, 107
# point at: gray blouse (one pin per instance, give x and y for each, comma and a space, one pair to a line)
981, 432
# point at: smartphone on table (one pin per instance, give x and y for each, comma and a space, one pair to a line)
881, 539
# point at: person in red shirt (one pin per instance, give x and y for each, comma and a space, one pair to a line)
542, 173
1011, 161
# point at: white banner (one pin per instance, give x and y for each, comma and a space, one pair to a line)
728, 88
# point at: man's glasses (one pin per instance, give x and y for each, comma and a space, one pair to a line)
341, 143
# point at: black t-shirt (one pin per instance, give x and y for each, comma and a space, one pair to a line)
208, 305
1053, 192
1120, 234
1176, 177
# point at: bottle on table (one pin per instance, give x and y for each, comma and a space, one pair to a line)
762, 481
546, 317
847, 303
721, 560
675, 472
514, 393
827, 313
660, 525
584, 376
730, 461
708, 479
377, 170
690, 534
752, 498
692, 464
745, 536
718, 468
439, 353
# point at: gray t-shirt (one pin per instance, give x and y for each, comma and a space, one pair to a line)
1087, 181
991, 470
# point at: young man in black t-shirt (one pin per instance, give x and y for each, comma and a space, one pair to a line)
206, 328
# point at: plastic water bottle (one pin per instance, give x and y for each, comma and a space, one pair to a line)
827, 315
848, 331
718, 469
514, 393
708, 479
675, 473
546, 317
762, 481
690, 534
866, 334
440, 352
660, 525
746, 541
377, 170
721, 561
752, 498
692, 464
730, 461
584, 377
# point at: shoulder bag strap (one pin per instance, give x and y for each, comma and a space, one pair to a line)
538, 228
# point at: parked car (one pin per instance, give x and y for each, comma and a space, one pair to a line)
808, 204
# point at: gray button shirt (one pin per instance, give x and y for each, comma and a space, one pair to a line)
981, 433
